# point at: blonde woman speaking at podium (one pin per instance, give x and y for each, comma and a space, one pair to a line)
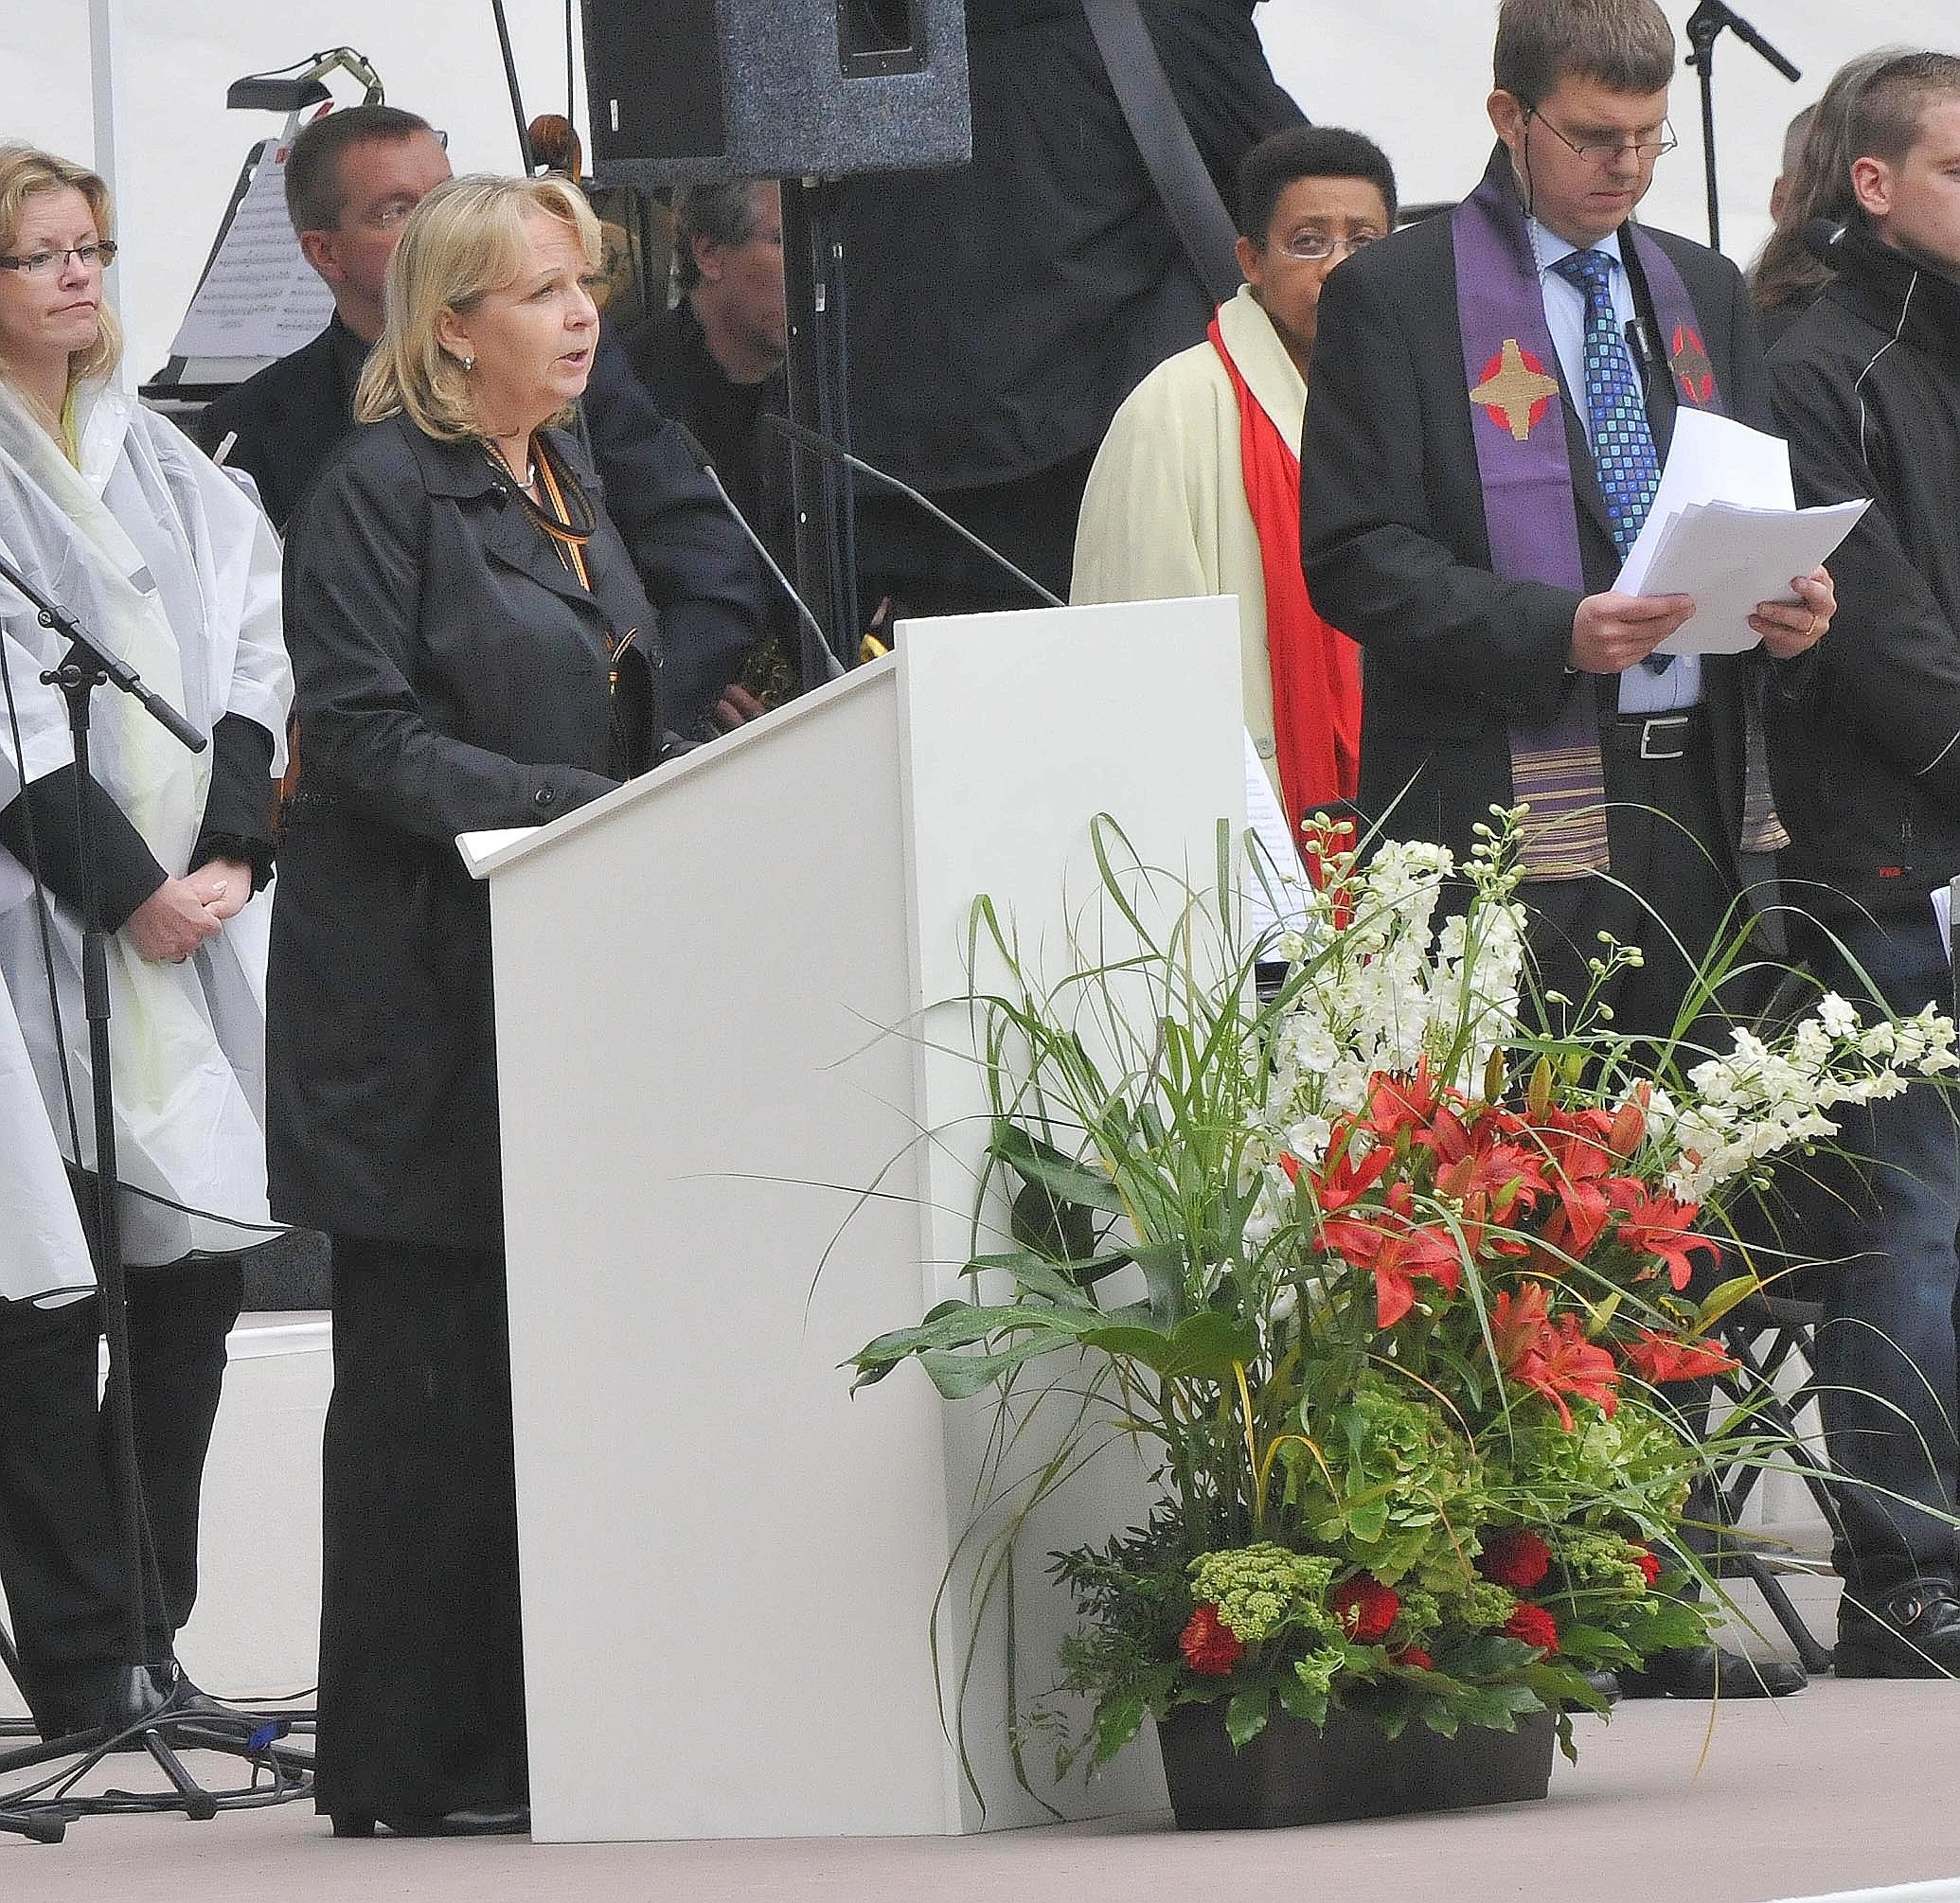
473, 650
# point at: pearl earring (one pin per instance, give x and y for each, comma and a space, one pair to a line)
468, 365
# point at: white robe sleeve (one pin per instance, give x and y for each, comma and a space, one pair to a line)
1149, 526
246, 557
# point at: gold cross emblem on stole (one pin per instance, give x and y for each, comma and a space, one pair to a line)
1515, 390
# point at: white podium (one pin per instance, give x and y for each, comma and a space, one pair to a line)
739, 1142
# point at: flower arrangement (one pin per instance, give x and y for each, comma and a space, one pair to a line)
1409, 1279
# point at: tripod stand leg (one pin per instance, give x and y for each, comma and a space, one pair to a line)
198, 1802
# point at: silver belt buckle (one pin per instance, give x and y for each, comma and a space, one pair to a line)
1648, 751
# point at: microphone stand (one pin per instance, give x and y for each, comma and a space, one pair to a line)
823, 445
137, 1716
1705, 25
819, 374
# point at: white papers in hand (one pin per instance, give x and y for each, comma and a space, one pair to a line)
1710, 459
1724, 529
1729, 559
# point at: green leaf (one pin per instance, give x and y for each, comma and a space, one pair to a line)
1302, 1702
1489, 1656
1728, 1295
1558, 1685
1060, 1282
1070, 1181
961, 1324
1597, 1645
959, 1377
1298, 1701
1041, 1219
1246, 1716
1442, 1720
1117, 1720
1368, 1519
1496, 1706
1162, 1264
1203, 1347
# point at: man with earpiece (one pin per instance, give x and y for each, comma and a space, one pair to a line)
1866, 764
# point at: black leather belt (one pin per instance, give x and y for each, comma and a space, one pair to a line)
1656, 736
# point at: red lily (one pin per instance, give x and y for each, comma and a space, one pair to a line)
1577, 1149
1397, 1103
1659, 1225
1348, 1178
1657, 1357
1572, 1365
1519, 1325
1552, 1357
1388, 1239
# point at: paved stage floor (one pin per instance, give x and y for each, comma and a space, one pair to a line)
1847, 1787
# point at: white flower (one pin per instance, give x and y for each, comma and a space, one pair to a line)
1836, 1016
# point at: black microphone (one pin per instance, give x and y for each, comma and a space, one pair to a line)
1642, 350
1823, 239
833, 667
810, 439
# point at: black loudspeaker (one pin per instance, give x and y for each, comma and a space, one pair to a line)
708, 89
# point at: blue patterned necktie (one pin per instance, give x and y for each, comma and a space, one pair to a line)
1622, 445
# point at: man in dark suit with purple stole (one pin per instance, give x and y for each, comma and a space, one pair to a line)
1492, 394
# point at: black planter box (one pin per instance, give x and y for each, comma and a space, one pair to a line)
1291, 1773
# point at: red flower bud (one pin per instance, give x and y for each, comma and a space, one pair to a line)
1533, 1625
1414, 1658
1210, 1647
1516, 1557
1649, 1566
1365, 1607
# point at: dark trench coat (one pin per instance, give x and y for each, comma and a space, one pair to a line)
452, 676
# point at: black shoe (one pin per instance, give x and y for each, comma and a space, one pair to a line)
1912, 1632
183, 1697
121, 1706
1709, 1672
511, 1820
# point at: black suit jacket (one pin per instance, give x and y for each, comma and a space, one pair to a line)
694, 561
289, 418
1398, 552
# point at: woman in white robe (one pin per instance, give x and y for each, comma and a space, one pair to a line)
112, 513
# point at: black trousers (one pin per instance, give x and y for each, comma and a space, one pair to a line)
421, 1664
60, 1566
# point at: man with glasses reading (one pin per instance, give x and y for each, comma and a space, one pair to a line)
1196, 489
1492, 394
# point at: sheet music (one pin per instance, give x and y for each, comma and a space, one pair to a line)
260, 297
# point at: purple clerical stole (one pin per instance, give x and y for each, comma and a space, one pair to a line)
1529, 505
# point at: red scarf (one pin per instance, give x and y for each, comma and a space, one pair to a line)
1316, 669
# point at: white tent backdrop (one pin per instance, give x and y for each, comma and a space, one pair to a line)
1413, 73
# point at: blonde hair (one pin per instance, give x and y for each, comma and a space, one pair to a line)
463, 242
24, 174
